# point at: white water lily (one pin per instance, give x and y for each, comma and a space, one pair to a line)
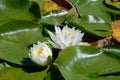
66, 37
40, 54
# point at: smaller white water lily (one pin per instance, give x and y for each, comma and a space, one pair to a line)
66, 37
41, 54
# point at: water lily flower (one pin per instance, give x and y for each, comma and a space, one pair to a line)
66, 37
41, 54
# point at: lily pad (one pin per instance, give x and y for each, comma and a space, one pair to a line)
87, 63
16, 38
111, 49
12, 73
91, 25
55, 17
16, 10
92, 7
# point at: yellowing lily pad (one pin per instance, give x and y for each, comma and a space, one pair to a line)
50, 5
116, 30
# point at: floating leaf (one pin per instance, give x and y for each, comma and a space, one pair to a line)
13, 73
111, 49
112, 6
91, 25
16, 37
87, 63
16, 10
113, 3
92, 7
50, 5
116, 30
55, 17
47, 5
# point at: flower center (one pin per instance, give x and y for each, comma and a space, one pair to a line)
70, 33
39, 51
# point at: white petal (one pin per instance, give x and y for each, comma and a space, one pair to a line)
53, 44
48, 50
59, 34
53, 37
84, 43
62, 46
78, 38
57, 30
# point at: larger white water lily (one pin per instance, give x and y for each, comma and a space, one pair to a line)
66, 37
40, 54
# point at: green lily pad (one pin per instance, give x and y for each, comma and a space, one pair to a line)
16, 10
16, 38
91, 25
113, 3
92, 7
111, 49
55, 17
13, 73
87, 63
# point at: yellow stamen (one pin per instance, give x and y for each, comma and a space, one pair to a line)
70, 33
39, 51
